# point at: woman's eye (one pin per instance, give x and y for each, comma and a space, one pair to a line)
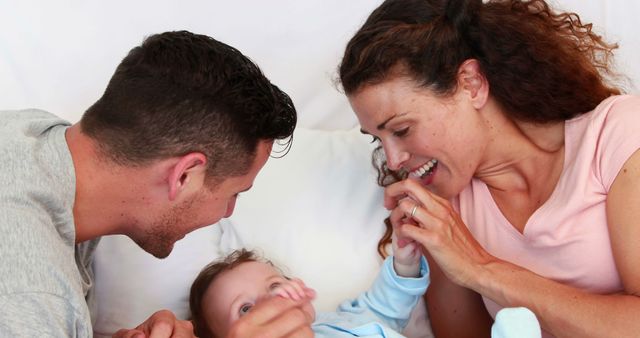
375, 139
402, 132
244, 309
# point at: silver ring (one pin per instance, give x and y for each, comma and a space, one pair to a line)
413, 211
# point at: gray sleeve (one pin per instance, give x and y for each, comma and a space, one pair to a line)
40, 315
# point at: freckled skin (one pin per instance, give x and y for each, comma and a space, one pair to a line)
449, 130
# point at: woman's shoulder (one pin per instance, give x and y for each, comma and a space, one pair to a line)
612, 112
606, 136
627, 102
617, 106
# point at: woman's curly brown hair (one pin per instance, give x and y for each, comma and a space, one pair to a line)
542, 66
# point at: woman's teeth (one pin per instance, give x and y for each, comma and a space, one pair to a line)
426, 169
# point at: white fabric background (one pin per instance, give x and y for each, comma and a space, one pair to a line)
59, 55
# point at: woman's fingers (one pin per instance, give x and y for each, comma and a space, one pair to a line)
413, 190
432, 222
410, 232
402, 212
411, 212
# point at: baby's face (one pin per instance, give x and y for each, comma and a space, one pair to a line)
234, 292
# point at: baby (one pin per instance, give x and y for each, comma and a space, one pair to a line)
226, 290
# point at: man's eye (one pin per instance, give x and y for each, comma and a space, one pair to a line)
375, 139
402, 132
244, 309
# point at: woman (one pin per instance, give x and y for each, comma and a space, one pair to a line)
514, 159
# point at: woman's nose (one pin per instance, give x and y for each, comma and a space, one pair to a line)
395, 157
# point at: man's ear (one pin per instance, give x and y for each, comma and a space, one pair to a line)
472, 80
188, 173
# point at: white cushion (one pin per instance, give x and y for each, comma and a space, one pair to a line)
318, 213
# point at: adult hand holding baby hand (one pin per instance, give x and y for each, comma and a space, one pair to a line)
437, 227
406, 255
276, 317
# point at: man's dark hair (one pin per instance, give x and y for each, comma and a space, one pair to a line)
181, 92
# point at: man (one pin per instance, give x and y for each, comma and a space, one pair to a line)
183, 127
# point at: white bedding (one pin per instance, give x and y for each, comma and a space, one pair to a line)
316, 211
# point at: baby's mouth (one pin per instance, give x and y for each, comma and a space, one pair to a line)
426, 169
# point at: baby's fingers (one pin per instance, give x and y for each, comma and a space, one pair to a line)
297, 287
292, 289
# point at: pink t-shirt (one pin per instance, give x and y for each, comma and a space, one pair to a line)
566, 239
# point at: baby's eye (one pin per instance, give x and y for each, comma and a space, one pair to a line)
274, 285
244, 309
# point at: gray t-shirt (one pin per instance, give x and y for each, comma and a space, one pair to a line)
44, 277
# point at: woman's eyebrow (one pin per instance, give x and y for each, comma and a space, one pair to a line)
382, 125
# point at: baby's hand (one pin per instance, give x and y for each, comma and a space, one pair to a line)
406, 256
293, 288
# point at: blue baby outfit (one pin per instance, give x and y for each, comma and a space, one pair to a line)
383, 311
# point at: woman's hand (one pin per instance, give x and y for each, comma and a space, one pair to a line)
438, 228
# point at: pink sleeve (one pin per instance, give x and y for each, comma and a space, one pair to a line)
619, 137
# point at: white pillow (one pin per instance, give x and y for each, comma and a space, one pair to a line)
317, 213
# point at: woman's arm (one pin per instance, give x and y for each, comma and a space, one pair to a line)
455, 311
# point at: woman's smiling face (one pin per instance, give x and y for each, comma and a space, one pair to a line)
438, 140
